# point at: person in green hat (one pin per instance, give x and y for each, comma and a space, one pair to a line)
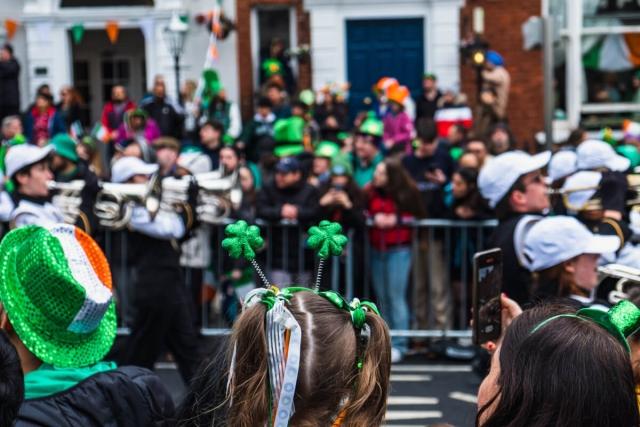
58, 310
219, 108
66, 167
289, 137
324, 154
367, 150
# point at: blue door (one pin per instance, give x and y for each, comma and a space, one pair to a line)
383, 48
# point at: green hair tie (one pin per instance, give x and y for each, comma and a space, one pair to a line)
621, 321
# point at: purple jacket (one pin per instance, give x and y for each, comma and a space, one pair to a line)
399, 128
150, 133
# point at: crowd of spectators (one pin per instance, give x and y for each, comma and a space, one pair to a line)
304, 156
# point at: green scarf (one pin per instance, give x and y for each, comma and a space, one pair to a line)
48, 380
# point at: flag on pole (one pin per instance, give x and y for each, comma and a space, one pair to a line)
100, 133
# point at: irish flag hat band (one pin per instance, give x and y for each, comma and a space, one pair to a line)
55, 285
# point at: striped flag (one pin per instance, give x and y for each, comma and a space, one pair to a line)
100, 133
447, 117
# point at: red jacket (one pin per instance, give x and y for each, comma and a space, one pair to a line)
378, 202
110, 119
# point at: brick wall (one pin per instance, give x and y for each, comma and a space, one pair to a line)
245, 62
503, 31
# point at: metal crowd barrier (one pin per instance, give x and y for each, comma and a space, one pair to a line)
349, 274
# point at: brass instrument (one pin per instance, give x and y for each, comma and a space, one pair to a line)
633, 182
627, 277
218, 195
67, 198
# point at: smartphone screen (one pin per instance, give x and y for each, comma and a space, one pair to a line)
487, 283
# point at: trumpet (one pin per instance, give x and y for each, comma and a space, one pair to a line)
627, 277
218, 195
633, 182
67, 198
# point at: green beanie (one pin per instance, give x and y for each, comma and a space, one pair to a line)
327, 149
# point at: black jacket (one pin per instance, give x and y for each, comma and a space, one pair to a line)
9, 86
127, 396
516, 279
168, 118
269, 205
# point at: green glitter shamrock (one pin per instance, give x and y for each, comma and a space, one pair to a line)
242, 240
327, 239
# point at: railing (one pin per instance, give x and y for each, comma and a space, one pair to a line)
349, 274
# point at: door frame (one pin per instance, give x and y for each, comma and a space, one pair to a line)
255, 37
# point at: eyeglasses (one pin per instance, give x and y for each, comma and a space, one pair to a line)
536, 179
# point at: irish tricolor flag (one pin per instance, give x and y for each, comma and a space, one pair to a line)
100, 133
612, 53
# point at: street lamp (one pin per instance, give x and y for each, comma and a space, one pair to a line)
174, 36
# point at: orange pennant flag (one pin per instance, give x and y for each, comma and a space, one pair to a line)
113, 29
11, 26
214, 51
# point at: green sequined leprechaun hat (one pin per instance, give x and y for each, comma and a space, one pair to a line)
55, 287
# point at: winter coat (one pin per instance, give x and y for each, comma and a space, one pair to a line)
127, 396
9, 85
167, 115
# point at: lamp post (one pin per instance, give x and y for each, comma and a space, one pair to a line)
174, 36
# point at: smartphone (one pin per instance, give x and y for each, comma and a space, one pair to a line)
487, 284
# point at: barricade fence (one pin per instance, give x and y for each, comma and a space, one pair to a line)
439, 280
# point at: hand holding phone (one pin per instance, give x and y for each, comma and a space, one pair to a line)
487, 307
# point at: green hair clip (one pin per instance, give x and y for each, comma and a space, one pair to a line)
621, 321
327, 240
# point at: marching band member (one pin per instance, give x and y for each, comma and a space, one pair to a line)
66, 167
598, 200
27, 167
514, 186
563, 256
162, 318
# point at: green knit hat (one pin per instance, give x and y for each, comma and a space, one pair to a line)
65, 146
372, 126
327, 149
56, 290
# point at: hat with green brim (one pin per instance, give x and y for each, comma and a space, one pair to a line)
56, 290
372, 126
65, 146
288, 150
328, 149
139, 112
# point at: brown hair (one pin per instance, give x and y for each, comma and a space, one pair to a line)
402, 188
329, 381
556, 281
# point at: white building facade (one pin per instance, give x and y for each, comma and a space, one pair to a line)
47, 53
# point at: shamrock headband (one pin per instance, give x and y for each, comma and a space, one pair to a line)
283, 332
622, 320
